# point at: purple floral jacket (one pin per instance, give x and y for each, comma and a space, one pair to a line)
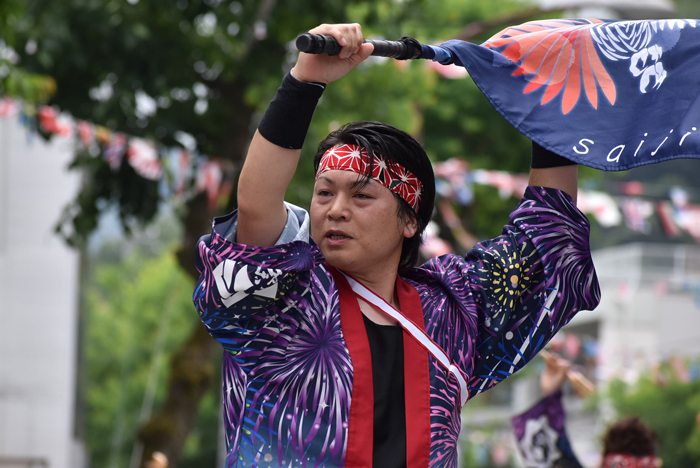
288, 376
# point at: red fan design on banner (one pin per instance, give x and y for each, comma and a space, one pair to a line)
558, 58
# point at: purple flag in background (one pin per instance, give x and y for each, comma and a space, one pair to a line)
607, 94
541, 435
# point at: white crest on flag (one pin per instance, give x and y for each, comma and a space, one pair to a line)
539, 443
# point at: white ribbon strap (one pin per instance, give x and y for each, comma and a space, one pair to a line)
362, 291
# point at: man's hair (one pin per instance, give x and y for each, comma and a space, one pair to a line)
630, 436
398, 146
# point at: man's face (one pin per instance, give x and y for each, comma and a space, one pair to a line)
356, 228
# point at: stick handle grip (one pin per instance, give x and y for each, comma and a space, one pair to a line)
406, 48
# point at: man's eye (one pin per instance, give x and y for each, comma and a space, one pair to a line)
362, 196
323, 193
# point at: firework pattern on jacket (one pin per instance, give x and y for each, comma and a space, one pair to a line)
287, 373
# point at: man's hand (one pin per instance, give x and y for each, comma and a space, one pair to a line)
554, 374
322, 68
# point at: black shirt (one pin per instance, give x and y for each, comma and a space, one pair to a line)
386, 346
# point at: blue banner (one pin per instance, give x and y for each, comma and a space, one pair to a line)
607, 94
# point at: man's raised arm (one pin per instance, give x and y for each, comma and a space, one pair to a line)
274, 151
554, 171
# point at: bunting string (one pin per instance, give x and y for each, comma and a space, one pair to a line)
183, 174
176, 169
631, 204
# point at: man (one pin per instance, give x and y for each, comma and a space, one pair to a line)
338, 351
542, 437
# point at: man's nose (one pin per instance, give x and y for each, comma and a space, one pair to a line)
339, 208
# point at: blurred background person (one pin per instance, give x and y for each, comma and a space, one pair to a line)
541, 433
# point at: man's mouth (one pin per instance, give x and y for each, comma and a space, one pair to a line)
338, 236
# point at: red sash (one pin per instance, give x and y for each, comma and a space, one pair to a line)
416, 378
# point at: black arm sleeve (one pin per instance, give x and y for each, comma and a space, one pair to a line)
288, 116
543, 158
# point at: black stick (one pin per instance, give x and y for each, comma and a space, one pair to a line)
404, 49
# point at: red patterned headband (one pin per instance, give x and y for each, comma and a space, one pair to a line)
391, 175
617, 460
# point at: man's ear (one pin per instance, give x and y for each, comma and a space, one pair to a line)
410, 227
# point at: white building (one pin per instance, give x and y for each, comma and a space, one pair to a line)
650, 308
39, 277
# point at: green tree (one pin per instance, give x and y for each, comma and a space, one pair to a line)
139, 311
687, 9
670, 410
207, 68
15, 81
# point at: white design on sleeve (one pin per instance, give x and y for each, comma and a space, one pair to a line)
232, 293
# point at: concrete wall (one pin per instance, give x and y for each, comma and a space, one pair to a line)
649, 310
38, 300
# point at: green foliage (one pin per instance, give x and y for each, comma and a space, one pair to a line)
30, 87
209, 67
687, 9
487, 447
461, 122
670, 410
693, 442
130, 304
14, 80
138, 199
201, 448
